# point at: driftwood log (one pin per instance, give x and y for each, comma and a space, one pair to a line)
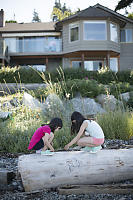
75, 168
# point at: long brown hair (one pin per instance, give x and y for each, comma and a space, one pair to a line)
77, 119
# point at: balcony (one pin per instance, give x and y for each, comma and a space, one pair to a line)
34, 45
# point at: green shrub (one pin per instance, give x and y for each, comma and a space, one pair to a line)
87, 88
19, 74
30, 75
125, 76
117, 88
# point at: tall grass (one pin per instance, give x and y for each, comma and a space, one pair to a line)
117, 124
59, 88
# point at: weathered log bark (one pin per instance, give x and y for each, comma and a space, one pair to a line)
77, 168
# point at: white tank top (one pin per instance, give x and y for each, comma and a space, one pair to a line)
93, 129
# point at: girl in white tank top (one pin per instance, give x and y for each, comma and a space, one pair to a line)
89, 132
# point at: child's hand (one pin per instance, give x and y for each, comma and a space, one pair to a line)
66, 147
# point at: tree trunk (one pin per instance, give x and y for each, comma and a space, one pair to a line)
75, 167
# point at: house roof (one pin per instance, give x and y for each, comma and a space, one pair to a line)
96, 12
28, 27
114, 12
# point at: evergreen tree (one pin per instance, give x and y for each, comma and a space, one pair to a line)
35, 17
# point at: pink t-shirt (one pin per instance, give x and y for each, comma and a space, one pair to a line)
39, 133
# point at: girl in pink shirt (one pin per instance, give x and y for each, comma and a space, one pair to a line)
43, 136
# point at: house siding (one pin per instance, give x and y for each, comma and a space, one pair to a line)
126, 56
126, 52
85, 45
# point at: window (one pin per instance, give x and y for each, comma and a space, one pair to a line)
34, 44
11, 43
88, 65
40, 68
74, 32
76, 64
126, 35
113, 33
92, 65
95, 30
114, 64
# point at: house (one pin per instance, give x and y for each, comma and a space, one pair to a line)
92, 38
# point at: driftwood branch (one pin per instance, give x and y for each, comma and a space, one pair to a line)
96, 189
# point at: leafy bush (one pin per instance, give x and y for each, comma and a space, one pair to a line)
125, 76
29, 75
87, 88
117, 88
17, 74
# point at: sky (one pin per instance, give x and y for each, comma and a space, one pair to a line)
22, 10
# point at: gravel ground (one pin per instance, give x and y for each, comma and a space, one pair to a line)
15, 191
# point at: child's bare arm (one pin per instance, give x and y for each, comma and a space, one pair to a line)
51, 137
80, 133
47, 142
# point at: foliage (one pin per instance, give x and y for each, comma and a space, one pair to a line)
123, 4
11, 75
117, 88
117, 124
29, 75
130, 101
58, 88
61, 12
58, 14
68, 82
125, 76
87, 88
17, 130
10, 21
130, 15
35, 17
